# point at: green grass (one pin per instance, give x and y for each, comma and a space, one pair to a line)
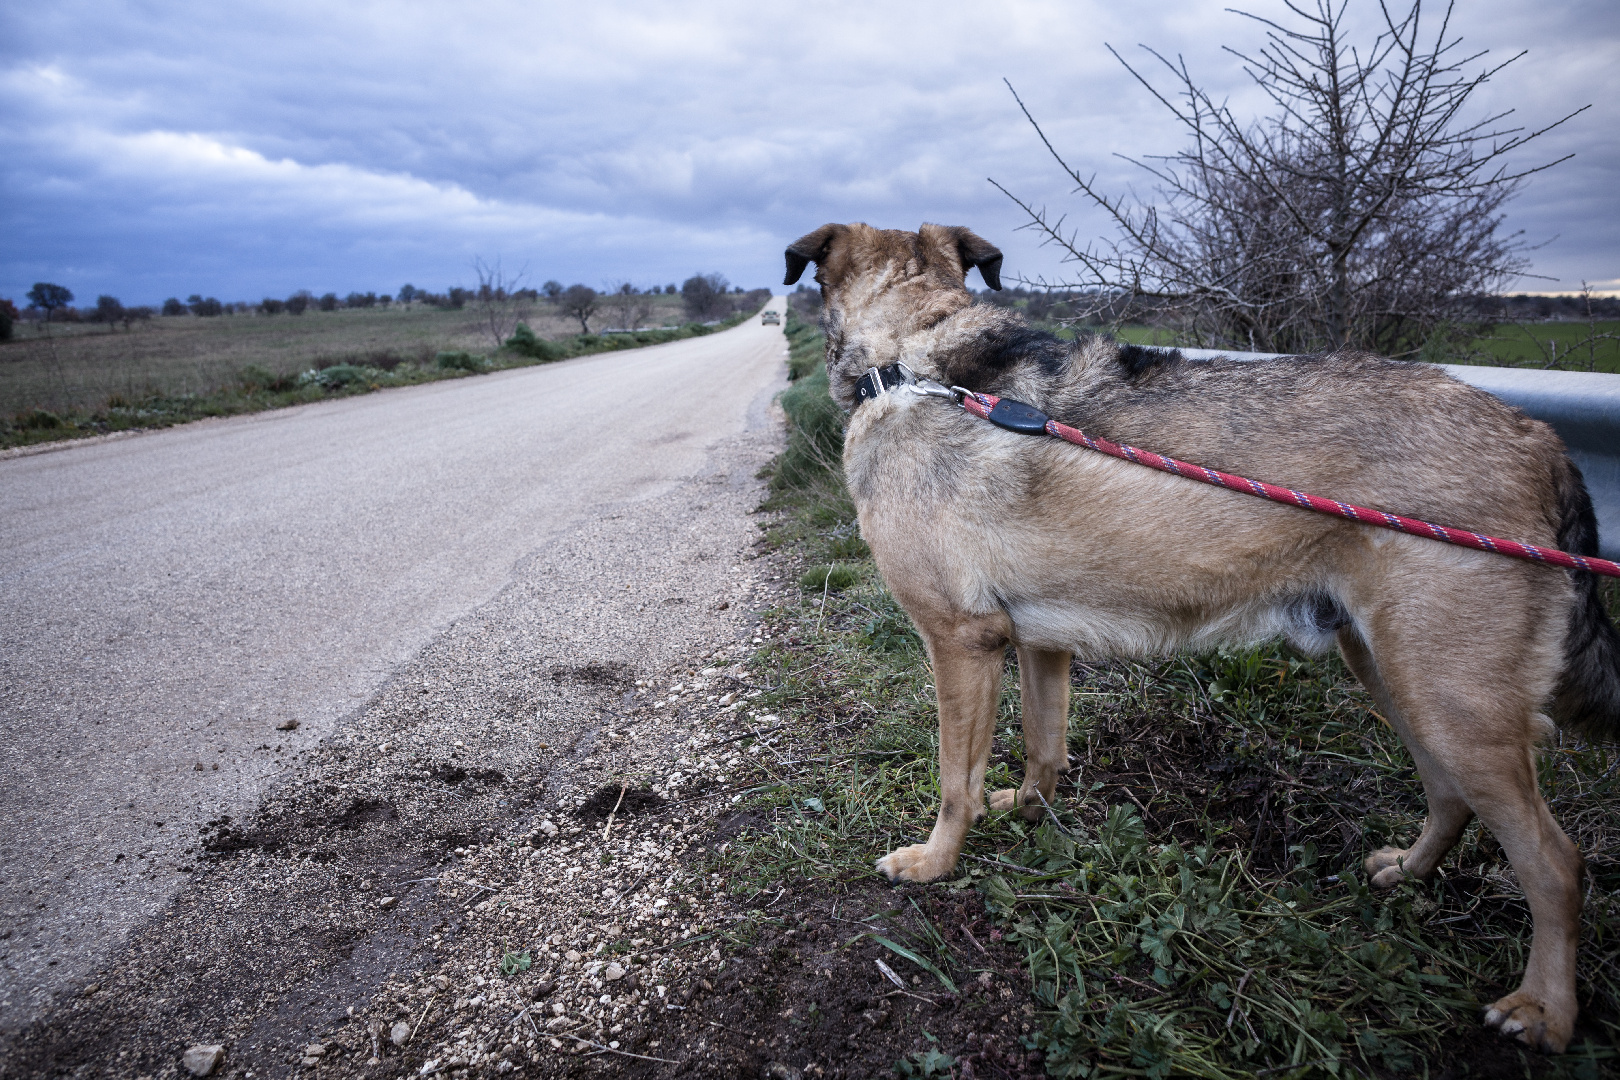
1574, 346
80, 382
1539, 344
1194, 904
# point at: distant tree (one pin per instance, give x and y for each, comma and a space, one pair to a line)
108, 310
552, 289
328, 302
407, 293
385, 300
300, 302
172, 306
204, 307
8, 318
271, 306
457, 297
132, 315
49, 298
501, 300
579, 302
632, 307
670, 289
703, 295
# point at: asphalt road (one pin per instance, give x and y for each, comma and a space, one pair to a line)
174, 601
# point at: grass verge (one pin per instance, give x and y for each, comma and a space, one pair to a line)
1193, 905
254, 388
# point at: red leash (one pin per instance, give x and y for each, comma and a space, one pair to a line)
1017, 416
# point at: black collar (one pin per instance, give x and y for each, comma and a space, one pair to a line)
880, 381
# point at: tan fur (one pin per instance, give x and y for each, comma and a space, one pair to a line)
990, 539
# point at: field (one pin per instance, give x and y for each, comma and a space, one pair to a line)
80, 380
1572, 346
78, 367
1194, 905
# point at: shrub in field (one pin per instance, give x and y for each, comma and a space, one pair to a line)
338, 376
271, 306
8, 318
207, 307
255, 377
50, 298
328, 302
525, 343
39, 420
459, 361
172, 306
299, 302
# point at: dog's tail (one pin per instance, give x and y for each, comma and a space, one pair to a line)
1588, 694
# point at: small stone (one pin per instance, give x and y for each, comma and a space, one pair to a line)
387, 902
613, 972
558, 1008
549, 827
202, 1060
287, 725
545, 989
441, 982
573, 956
314, 1050
399, 1033
90, 989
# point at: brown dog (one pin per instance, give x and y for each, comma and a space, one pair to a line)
990, 538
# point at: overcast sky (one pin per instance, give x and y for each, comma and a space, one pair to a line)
248, 149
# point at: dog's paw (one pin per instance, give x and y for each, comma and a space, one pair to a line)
1003, 801
1532, 1021
914, 863
1384, 868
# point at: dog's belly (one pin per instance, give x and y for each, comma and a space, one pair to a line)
1306, 620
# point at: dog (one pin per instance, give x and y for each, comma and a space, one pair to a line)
990, 538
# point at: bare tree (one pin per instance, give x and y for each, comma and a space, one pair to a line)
632, 307
579, 302
501, 301
1365, 211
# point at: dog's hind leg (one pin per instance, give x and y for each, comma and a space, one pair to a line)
1471, 727
968, 656
1448, 810
1043, 686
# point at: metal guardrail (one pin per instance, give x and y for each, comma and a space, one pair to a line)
1583, 407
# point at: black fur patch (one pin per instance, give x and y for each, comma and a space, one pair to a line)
1141, 362
1320, 612
977, 362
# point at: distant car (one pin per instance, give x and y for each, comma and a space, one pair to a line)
770, 318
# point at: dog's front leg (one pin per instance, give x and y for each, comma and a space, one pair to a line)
968, 659
1043, 688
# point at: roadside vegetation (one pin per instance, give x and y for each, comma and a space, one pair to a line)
1193, 905
69, 373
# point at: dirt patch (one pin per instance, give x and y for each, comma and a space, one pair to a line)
620, 801
810, 996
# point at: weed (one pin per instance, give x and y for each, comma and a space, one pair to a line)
834, 578
514, 963
459, 361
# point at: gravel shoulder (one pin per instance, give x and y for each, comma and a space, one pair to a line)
372, 867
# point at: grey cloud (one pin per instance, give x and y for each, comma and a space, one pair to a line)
627, 139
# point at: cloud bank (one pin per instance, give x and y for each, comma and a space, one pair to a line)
253, 149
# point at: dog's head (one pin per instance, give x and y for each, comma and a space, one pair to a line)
879, 286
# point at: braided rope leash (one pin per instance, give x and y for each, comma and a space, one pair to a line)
1017, 416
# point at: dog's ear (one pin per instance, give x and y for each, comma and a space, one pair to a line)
810, 248
975, 250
